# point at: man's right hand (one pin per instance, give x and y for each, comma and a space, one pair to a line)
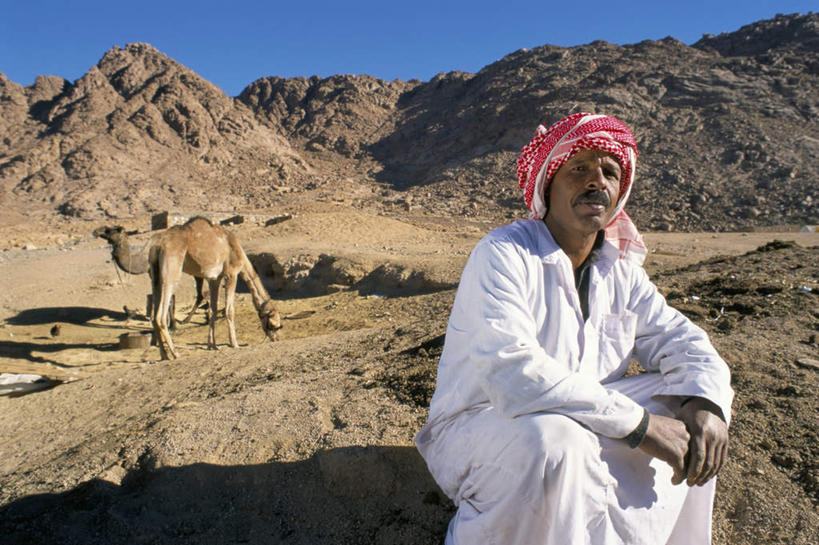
667, 439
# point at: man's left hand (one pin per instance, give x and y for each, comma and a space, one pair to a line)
708, 446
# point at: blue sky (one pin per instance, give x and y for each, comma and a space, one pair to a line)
233, 43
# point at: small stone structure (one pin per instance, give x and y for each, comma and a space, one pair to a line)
169, 218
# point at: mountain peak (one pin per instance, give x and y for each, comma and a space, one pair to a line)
796, 31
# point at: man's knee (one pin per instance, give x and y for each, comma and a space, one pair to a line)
554, 440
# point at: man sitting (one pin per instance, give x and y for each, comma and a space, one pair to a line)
533, 430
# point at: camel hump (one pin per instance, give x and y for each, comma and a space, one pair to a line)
198, 219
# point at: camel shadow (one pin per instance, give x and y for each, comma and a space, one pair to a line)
25, 350
70, 315
351, 495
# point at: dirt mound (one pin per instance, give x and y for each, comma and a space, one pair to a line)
310, 275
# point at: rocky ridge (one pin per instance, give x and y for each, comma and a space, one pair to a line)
138, 132
141, 133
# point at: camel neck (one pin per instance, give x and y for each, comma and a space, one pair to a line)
127, 260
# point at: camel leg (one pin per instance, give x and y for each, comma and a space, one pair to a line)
213, 286
230, 296
164, 275
200, 296
161, 323
172, 313
156, 320
153, 310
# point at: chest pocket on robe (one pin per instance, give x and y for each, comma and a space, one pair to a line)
616, 342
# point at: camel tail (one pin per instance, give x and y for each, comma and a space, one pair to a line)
153, 267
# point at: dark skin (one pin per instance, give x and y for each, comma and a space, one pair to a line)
582, 197
573, 218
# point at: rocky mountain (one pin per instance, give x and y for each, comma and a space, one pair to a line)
726, 128
138, 132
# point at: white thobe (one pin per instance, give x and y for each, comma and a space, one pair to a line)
525, 424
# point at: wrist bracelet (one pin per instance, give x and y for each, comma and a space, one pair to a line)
636, 437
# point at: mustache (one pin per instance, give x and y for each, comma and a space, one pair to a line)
594, 196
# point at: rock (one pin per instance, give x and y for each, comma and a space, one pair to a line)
808, 363
786, 458
114, 474
15, 384
725, 325
390, 277
278, 219
233, 220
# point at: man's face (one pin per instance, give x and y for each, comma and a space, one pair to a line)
584, 192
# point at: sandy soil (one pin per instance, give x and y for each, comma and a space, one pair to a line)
309, 439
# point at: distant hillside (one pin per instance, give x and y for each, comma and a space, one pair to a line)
727, 131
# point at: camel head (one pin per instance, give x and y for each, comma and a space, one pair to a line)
271, 321
113, 234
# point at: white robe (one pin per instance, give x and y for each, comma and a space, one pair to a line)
524, 426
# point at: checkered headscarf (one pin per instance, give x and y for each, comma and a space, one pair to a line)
551, 147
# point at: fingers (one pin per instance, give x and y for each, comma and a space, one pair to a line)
720, 455
707, 456
680, 462
711, 465
667, 439
707, 445
679, 470
697, 459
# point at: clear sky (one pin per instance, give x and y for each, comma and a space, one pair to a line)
231, 43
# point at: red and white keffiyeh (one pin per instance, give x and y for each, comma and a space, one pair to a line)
551, 147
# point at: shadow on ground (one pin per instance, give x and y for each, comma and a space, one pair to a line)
69, 315
351, 495
25, 350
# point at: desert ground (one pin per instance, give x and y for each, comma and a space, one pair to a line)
309, 439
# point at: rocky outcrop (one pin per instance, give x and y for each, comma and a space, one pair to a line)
726, 142
783, 32
338, 114
138, 133
307, 274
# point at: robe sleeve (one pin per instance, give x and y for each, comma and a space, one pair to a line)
670, 343
517, 374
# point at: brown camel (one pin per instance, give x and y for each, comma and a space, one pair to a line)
136, 262
206, 251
